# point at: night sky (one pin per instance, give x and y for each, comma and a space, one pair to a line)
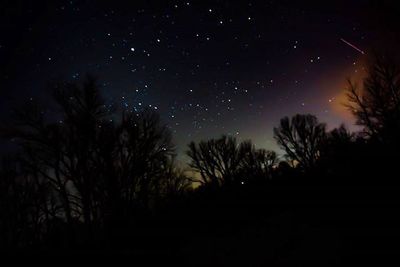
208, 67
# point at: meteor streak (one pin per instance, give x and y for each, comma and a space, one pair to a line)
352, 46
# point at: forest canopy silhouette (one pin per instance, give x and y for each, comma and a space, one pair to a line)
89, 179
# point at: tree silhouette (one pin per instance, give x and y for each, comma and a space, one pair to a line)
94, 168
84, 113
340, 153
175, 182
217, 160
301, 138
43, 158
377, 105
257, 164
142, 154
90, 177
224, 161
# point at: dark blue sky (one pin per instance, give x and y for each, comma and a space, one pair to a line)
208, 67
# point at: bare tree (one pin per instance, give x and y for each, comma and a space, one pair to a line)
175, 182
257, 164
95, 167
376, 105
42, 147
142, 151
83, 112
301, 138
223, 160
217, 160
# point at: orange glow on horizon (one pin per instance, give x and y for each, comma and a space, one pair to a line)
335, 85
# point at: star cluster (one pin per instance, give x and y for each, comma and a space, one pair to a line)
208, 67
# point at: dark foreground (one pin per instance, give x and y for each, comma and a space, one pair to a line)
298, 226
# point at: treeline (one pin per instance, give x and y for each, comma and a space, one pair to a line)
86, 175
88, 169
